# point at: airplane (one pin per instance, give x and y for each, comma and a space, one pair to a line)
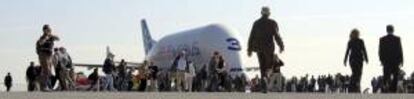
199, 44
132, 65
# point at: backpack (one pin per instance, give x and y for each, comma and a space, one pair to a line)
277, 63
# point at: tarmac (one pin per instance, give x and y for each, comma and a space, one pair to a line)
203, 95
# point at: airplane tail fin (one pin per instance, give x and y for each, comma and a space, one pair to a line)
109, 54
146, 36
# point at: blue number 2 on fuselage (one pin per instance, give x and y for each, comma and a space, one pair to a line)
234, 44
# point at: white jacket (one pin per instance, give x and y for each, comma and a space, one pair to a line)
191, 70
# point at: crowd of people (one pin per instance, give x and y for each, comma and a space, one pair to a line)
56, 73
323, 83
182, 76
404, 84
338, 83
64, 74
50, 57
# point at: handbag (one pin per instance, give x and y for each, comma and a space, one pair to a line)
277, 61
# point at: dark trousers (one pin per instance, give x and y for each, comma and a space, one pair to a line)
356, 68
213, 85
8, 88
142, 85
265, 62
94, 82
390, 71
224, 81
31, 86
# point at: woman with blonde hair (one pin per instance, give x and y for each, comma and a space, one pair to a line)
357, 54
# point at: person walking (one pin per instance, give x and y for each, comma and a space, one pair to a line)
94, 80
121, 80
264, 31
189, 75
391, 57
44, 49
357, 55
153, 76
108, 69
59, 68
8, 82
180, 63
213, 73
31, 75
221, 68
67, 69
203, 74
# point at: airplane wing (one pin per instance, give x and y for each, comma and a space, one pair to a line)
91, 66
109, 54
252, 69
130, 63
88, 66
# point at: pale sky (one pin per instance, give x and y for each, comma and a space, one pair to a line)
315, 31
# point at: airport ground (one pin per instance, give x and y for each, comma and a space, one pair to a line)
173, 95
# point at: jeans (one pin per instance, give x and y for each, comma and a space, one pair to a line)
109, 83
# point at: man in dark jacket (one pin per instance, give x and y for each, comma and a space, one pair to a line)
8, 80
31, 75
391, 57
121, 80
108, 68
264, 31
94, 79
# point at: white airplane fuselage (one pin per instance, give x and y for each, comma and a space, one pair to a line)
199, 44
